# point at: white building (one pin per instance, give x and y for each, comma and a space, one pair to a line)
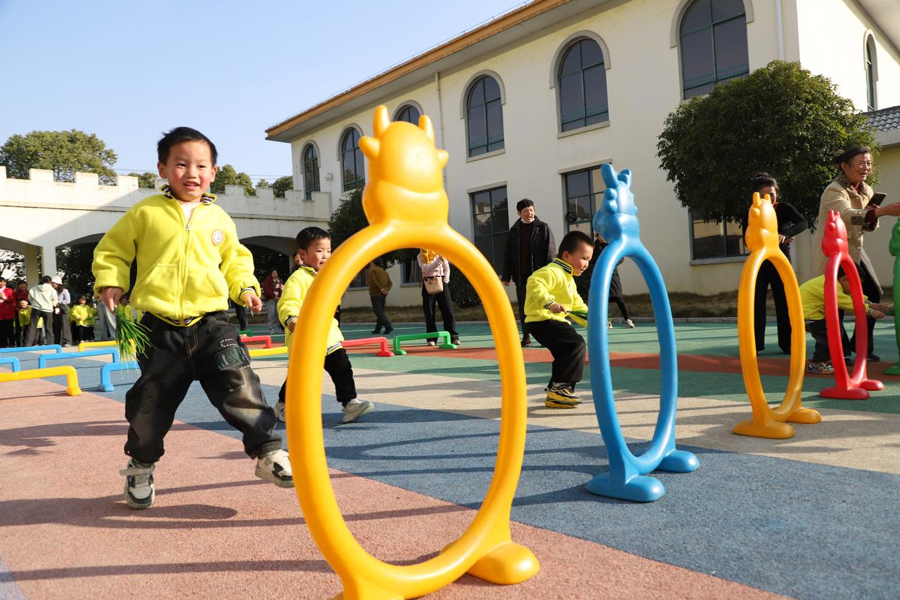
530, 104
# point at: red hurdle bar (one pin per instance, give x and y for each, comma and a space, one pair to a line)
258, 338
385, 349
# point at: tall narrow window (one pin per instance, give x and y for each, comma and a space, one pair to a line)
582, 191
713, 45
582, 86
353, 169
871, 75
310, 171
484, 116
490, 213
408, 113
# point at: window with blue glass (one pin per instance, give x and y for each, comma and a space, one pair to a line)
484, 116
310, 171
583, 190
581, 82
490, 215
408, 113
713, 45
353, 170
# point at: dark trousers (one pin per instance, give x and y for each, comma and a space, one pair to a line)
621, 304
80, 333
7, 334
378, 304
241, 313
520, 300
768, 276
820, 334
870, 290
32, 331
337, 365
19, 331
566, 346
62, 329
209, 352
443, 302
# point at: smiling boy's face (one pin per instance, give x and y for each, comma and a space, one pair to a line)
189, 170
316, 254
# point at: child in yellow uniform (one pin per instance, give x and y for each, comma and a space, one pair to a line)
80, 316
314, 248
812, 294
549, 294
190, 262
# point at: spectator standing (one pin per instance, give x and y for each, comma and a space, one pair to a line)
271, 292
379, 285
529, 246
62, 329
8, 314
43, 299
20, 293
437, 268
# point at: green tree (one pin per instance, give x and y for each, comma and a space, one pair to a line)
12, 266
146, 180
780, 119
349, 218
265, 260
75, 261
262, 183
63, 152
227, 175
283, 184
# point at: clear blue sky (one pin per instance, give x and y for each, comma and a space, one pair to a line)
128, 70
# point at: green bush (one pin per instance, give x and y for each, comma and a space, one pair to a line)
461, 290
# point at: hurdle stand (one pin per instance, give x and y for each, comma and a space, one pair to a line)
263, 352
54, 347
86, 345
441, 335
13, 363
384, 351
66, 371
114, 352
257, 338
105, 371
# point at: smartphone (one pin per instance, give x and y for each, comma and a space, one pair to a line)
877, 198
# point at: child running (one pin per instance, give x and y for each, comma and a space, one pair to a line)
550, 294
314, 248
812, 294
189, 263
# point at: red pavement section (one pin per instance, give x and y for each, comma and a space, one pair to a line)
637, 360
216, 531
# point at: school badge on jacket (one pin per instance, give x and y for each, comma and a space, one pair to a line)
218, 236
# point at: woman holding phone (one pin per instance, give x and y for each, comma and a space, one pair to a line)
852, 197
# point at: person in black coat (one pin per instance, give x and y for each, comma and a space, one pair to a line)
790, 224
615, 285
529, 247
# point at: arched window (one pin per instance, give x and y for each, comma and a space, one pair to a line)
408, 113
310, 171
484, 116
353, 170
581, 81
713, 45
871, 75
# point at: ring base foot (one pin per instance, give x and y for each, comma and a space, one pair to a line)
639, 488
772, 430
679, 461
507, 564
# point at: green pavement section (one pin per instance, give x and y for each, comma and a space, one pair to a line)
693, 338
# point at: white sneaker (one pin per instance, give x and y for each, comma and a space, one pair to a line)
432, 343
357, 408
279, 410
275, 467
609, 324
139, 492
629, 324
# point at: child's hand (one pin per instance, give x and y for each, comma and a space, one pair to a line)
292, 325
110, 297
557, 308
884, 308
252, 301
877, 314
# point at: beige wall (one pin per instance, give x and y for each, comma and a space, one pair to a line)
644, 84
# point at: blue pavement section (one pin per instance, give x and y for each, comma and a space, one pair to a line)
793, 528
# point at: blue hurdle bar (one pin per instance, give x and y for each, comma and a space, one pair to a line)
105, 380
54, 347
42, 361
12, 361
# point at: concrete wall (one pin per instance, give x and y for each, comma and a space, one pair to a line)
45, 214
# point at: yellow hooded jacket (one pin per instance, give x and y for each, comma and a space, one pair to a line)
549, 285
812, 294
185, 270
80, 315
292, 297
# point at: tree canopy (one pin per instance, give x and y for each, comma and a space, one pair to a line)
63, 152
282, 184
145, 180
227, 175
780, 119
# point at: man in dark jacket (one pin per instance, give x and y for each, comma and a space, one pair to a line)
529, 247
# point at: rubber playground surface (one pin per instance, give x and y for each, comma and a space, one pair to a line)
816, 516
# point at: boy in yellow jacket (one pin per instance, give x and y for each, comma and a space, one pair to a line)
190, 262
80, 316
812, 294
314, 248
549, 294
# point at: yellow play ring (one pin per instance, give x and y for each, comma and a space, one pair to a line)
762, 239
402, 218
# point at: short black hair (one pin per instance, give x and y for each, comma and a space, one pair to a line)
523, 204
3, 279
46, 279
572, 240
763, 180
847, 154
178, 136
309, 235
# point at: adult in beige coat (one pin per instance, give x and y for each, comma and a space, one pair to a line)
850, 195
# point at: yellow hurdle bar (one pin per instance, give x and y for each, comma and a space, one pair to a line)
68, 371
